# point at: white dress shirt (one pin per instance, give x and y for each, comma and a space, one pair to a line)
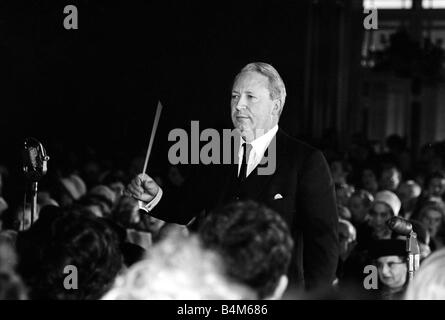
259, 147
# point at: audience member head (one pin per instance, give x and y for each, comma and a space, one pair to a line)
3, 207
126, 212
255, 244
177, 268
343, 212
100, 200
152, 225
69, 238
11, 286
63, 191
390, 259
170, 228
429, 281
369, 180
435, 184
91, 171
347, 236
340, 171
116, 181
73, 189
8, 256
343, 192
408, 192
44, 199
390, 178
105, 194
359, 205
385, 205
432, 215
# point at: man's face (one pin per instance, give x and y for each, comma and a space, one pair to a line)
432, 219
252, 108
390, 179
392, 271
379, 214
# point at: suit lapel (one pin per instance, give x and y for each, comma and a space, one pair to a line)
257, 182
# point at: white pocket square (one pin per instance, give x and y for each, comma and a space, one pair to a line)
277, 196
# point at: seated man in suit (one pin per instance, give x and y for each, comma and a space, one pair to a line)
300, 187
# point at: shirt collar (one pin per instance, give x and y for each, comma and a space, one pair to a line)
260, 144
264, 141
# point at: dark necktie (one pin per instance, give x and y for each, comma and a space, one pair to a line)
243, 171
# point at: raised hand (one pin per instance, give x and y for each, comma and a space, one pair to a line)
143, 188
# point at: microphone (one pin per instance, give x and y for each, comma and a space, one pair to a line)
34, 160
34, 167
400, 226
404, 227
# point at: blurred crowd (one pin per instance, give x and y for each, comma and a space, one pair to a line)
374, 184
90, 241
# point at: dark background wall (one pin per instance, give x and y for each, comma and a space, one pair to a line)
99, 84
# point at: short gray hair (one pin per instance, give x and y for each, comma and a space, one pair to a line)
429, 281
276, 85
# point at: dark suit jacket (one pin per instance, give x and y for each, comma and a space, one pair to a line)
303, 180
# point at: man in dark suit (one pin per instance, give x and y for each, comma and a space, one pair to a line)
297, 185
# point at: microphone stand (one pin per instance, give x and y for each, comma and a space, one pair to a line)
34, 167
34, 192
413, 251
404, 227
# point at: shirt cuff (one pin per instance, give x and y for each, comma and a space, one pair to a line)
147, 207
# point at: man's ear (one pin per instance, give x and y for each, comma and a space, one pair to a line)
277, 107
279, 289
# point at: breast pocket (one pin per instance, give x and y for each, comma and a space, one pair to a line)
278, 196
277, 201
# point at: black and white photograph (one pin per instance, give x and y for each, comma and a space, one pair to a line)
252, 152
